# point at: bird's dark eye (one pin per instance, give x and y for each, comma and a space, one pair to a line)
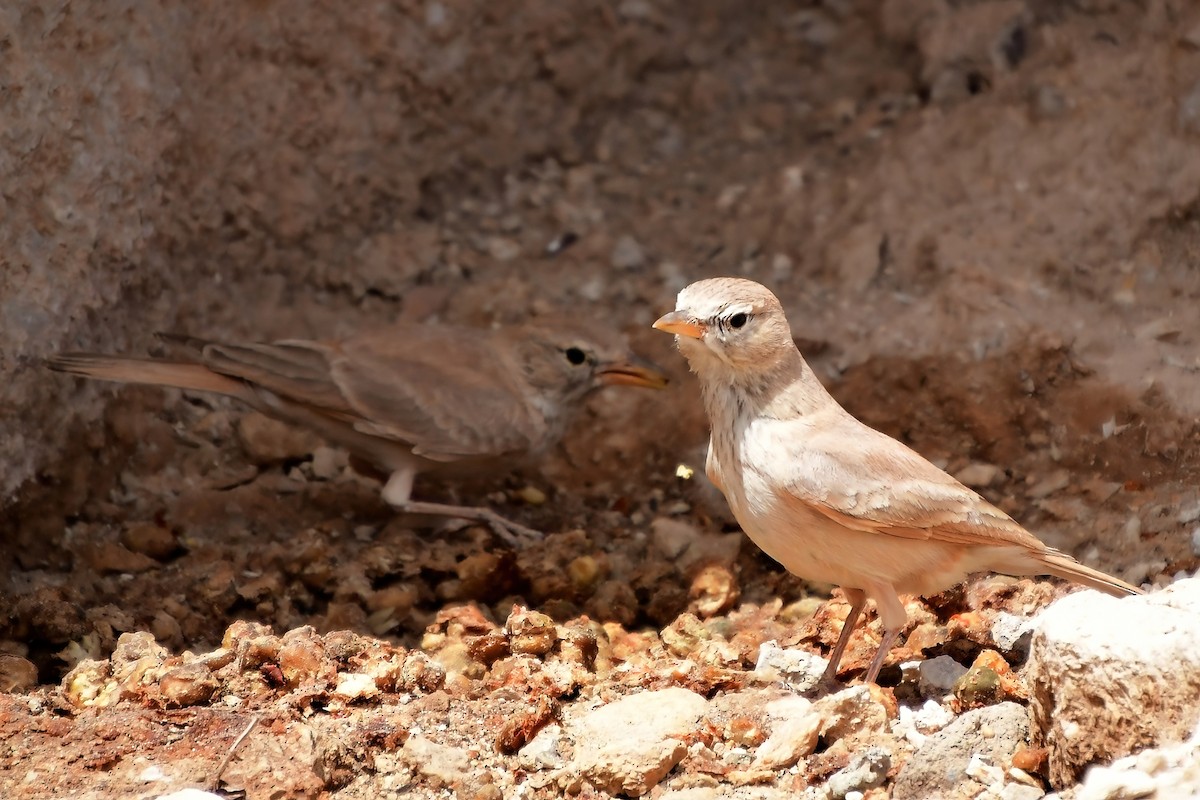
575, 355
739, 319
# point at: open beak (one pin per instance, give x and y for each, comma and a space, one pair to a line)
631, 371
679, 323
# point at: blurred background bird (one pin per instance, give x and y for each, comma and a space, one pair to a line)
407, 398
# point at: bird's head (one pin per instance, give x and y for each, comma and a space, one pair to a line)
565, 361
729, 325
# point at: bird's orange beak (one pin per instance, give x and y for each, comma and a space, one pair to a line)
681, 324
631, 371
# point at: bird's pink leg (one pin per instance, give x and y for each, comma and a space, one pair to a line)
857, 599
893, 617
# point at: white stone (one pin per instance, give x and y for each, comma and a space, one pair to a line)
1010, 632
629, 745
915, 724
938, 675
794, 733
355, 686
446, 763
541, 752
1099, 666
1021, 791
1196, 542
801, 669
152, 773
978, 474
851, 714
984, 771
867, 769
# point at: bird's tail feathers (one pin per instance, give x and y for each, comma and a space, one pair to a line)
1061, 565
180, 375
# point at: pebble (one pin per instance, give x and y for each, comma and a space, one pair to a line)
1196, 542
979, 474
915, 724
672, 536
541, 752
938, 675
1011, 633
530, 632
149, 539
1021, 791
16, 674
502, 248
627, 253
984, 771
713, 590
794, 733
189, 685
446, 763
1052, 483
268, 441
327, 462
355, 686
867, 769
629, 745
800, 668
852, 714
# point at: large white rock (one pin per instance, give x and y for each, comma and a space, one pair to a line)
1111, 676
1161, 772
627, 746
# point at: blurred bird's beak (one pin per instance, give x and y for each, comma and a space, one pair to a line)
679, 323
631, 371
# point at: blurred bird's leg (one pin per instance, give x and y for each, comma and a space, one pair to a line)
857, 599
397, 492
893, 617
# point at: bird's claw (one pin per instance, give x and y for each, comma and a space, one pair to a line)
512, 533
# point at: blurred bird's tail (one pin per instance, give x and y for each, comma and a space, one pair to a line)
177, 374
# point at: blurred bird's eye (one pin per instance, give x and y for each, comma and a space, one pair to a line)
575, 355
739, 319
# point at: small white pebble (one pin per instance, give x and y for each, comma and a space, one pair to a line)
151, 773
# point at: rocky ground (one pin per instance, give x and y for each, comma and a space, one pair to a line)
982, 219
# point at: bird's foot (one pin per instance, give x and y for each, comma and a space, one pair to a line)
511, 533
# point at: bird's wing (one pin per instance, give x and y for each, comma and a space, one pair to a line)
293, 369
448, 391
437, 389
867, 481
